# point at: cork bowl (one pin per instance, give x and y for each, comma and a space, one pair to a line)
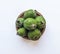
38, 14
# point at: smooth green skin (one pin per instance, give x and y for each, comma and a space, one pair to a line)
21, 32
29, 13
34, 35
30, 24
41, 23
19, 22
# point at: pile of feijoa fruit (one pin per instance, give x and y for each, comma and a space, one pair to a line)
30, 25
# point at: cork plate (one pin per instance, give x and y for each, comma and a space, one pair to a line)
38, 14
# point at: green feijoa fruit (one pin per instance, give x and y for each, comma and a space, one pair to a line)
21, 32
30, 13
19, 22
41, 23
34, 35
30, 24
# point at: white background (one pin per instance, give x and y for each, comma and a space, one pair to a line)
10, 43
